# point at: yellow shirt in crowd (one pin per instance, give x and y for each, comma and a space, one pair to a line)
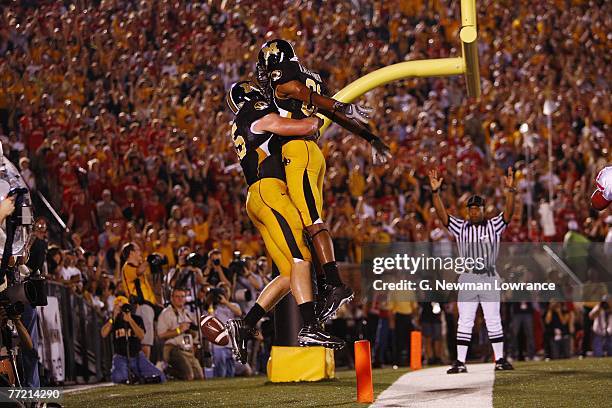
129, 274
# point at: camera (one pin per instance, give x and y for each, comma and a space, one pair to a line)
127, 308
195, 260
12, 309
214, 295
156, 261
31, 291
604, 303
237, 267
23, 210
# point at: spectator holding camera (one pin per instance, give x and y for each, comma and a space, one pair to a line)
9, 319
214, 272
36, 260
13, 318
223, 310
138, 287
128, 333
602, 328
177, 326
186, 274
558, 320
248, 283
261, 270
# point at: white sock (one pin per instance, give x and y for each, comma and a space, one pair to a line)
498, 349
462, 353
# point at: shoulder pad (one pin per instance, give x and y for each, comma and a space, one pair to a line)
313, 74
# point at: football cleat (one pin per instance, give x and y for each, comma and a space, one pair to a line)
503, 365
312, 335
332, 298
457, 367
239, 335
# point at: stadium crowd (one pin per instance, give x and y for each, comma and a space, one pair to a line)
115, 111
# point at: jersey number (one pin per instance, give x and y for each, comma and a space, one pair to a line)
308, 110
239, 143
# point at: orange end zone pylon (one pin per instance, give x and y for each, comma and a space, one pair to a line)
363, 369
415, 350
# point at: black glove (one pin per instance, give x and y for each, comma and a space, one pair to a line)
380, 151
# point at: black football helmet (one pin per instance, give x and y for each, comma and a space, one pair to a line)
272, 53
242, 92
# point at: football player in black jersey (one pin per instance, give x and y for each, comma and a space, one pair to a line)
297, 93
257, 132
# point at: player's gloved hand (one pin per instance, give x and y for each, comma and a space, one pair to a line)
354, 112
380, 152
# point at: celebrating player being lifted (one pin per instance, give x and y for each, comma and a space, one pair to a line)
257, 132
296, 92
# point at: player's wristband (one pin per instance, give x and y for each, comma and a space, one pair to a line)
178, 330
110, 321
512, 190
436, 191
338, 106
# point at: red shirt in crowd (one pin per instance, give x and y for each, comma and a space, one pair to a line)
154, 212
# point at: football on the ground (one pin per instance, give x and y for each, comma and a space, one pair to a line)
214, 331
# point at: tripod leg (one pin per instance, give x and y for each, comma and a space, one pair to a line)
14, 365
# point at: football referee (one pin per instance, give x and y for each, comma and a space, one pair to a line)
477, 237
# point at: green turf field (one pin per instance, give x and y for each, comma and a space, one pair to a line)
234, 392
558, 383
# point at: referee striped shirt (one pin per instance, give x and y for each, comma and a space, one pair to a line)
479, 240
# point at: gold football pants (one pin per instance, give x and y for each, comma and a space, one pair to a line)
275, 216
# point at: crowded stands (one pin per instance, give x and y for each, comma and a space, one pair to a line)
115, 112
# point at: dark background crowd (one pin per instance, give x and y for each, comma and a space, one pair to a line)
115, 112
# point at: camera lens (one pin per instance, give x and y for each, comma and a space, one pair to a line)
126, 308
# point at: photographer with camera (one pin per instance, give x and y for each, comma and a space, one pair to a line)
156, 263
37, 252
187, 274
129, 361
10, 317
177, 326
138, 287
214, 272
558, 321
224, 310
248, 282
602, 328
261, 270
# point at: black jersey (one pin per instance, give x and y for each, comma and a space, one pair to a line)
259, 153
289, 71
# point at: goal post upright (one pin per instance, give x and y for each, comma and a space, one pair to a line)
467, 64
